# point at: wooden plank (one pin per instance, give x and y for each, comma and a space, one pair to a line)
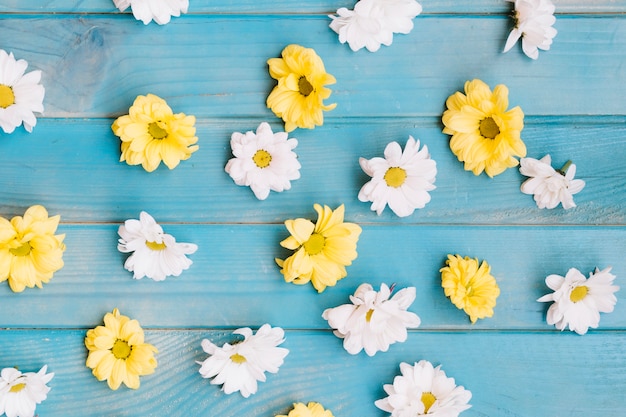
95, 66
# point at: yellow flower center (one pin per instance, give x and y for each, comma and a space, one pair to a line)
17, 387
155, 246
578, 293
395, 177
156, 130
368, 315
304, 86
7, 98
262, 158
237, 358
489, 128
315, 244
428, 399
22, 250
121, 350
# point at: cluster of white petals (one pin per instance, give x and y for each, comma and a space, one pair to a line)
373, 321
373, 22
21, 392
533, 23
161, 11
578, 301
549, 186
155, 254
238, 366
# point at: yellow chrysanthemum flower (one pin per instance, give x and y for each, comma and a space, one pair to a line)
469, 287
312, 409
484, 134
323, 250
152, 133
30, 252
299, 96
117, 351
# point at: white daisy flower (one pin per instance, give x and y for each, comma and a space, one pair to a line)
373, 321
578, 301
533, 23
238, 366
549, 186
424, 390
399, 14
20, 94
155, 254
263, 160
160, 11
401, 179
21, 392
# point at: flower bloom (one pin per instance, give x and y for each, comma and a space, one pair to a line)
373, 22
30, 252
424, 390
484, 134
160, 11
400, 179
239, 366
299, 96
263, 160
533, 23
470, 287
323, 250
152, 133
117, 351
549, 186
373, 321
155, 254
311, 409
20, 94
21, 392
578, 301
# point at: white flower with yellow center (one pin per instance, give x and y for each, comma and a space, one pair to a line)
373, 321
578, 301
20, 94
21, 392
263, 160
160, 11
400, 179
549, 186
238, 366
155, 254
424, 390
533, 23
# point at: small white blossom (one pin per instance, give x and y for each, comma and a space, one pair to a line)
400, 179
263, 160
21, 392
578, 301
533, 23
161, 11
549, 186
373, 321
238, 366
424, 390
155, 254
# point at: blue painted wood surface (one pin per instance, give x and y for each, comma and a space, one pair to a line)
211, 63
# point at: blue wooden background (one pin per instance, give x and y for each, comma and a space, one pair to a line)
212, 63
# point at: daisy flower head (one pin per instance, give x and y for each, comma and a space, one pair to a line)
21, 95
238, 366
470, 287
311, 409
299, 97
533, 23
548, 185
161, 11
152, 133
373, 321
118, 353
322, 250
30, 252
578, 301
401, 179
155, 254
263, 160
21, 392
424, 390
485, 136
